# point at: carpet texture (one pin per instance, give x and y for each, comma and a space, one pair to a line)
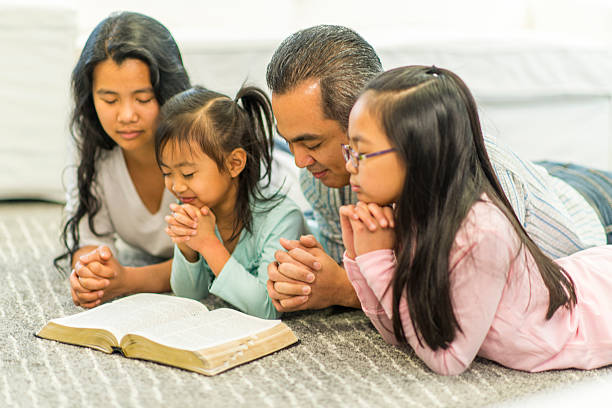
340, 360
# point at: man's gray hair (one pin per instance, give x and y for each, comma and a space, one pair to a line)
337, 56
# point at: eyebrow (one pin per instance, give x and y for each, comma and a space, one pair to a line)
301, 138
103, 91
181, 164
358, 138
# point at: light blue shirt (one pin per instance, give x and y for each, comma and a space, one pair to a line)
242, 281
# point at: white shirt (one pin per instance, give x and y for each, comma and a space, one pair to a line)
123, 214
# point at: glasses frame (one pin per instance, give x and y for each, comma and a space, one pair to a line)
354, 157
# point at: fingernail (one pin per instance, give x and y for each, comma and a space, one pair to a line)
316, 265
310, 277
306, 289
193, 232
195, 225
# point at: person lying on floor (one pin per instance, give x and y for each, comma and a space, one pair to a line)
453, 273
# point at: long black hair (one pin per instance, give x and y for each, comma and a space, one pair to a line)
119, 37
430, 117
218, 124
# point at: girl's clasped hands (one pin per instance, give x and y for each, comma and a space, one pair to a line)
366, 228
190, 228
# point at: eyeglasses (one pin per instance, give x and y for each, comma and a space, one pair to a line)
354, 157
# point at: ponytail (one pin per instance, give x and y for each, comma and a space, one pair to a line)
259, 111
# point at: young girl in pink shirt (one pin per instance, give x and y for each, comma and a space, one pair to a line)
451, 271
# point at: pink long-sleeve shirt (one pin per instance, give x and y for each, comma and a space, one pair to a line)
500, 301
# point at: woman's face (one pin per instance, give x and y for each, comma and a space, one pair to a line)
380, 178
125, 102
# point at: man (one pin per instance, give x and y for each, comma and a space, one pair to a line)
315, 76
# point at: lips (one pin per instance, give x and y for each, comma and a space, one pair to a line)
187, 200
318, 174
129, 134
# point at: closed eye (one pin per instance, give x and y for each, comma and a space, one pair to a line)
314, 147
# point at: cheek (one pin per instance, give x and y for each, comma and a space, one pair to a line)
151, 115
104, 115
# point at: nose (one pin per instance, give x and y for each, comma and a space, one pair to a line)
177, 186
127, 113
302, 157
350, 168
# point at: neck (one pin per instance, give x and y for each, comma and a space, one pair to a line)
141, 158
225, 211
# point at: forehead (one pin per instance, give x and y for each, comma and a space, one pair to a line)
364, 123
179, 152
130, 74
299, 115
299, 111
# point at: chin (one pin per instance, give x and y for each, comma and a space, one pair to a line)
335, 181
363, 197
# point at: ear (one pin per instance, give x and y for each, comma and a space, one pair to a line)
236, 161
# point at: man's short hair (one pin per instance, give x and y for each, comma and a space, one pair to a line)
337, 56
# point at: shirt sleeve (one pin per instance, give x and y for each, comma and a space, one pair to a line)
246, 291
189, 279
515, 191
369, 302
477, 281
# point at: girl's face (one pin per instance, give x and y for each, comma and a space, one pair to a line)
125, 102
380, 178
194, 178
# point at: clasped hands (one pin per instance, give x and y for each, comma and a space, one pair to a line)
190, 228
305, 277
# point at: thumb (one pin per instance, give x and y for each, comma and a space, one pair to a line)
104, 253
309, 241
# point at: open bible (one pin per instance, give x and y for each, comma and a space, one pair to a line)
174, 331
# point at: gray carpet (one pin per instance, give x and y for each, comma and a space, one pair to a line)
340, 361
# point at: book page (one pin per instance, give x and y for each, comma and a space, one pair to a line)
210, 329
133, 313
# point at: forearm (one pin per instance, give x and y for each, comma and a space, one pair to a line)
245, 291
151, 278
215, 254
345, 293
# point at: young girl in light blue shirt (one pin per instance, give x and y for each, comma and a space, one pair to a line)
211, 150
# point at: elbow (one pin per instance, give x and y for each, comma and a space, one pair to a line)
443, 361
447, 366
450, 371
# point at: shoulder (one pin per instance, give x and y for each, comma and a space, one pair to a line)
273, 209
485, 240
270, 215
110, 160
485, 221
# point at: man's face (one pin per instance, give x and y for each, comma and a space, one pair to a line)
314, 140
